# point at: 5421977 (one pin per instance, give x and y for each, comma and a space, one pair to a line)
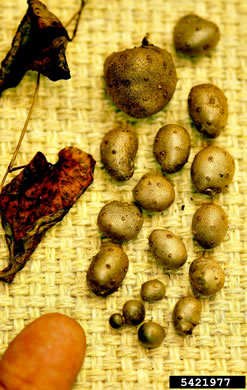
211, 382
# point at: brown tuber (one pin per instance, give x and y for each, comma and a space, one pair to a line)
120, 221
209, 225
206, 276
118, 149
208, 109
212, 170
154, 192
107, 269
168, 249
186, 314
171, 147
195, 36
140, 81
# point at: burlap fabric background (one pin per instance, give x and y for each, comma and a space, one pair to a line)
77, 112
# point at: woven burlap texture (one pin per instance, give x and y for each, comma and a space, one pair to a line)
77, 112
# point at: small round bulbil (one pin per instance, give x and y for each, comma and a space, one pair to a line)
209, 225
116, 320
154, 192
141, 80
133, 312
208, 109
171, 147
206, 276
195, 36
120, 221
186, 314
212, 170
151, 334
118, 149
153, 290
167, 248
107, 269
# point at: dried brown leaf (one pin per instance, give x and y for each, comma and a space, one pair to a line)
39, 197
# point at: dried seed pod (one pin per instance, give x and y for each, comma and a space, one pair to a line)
206, 276
209, 225
212, 170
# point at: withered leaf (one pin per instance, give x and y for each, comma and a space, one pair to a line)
39, 197
39, 44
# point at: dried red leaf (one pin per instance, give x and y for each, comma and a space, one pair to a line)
39, 197
39, 44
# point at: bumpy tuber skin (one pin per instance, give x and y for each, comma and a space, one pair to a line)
186, 314
107, 270
208, 109
171, 147
209, 225
118, 149
140, 81
46, 355
206, 276
168, 249
195, 36
212, 170
154, 192
153, 290
120, 221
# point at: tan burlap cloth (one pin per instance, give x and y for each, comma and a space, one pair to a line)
78, 112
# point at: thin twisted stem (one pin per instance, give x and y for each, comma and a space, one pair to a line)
11, 164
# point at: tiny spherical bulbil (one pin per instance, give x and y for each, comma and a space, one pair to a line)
168, 249
120, 221
133, 312
151, 334
153, 290
208, 109
116, 320
209, 225
118, 149
140, 81
195, 36
186, 314
171, 147
107, 269
206, 276
154, 192
212, 170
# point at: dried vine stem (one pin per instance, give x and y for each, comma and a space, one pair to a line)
11, 164
76, 16
11, 167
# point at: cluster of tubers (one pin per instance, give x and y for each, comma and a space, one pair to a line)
150, 333
141, 81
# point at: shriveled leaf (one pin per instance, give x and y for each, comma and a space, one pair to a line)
39, 44
39, 197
